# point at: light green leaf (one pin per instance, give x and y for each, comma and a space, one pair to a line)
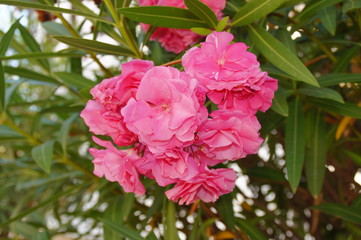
328, 19
26, 73
347, 213
325, 93
8, 133
279, 103
280, 56
94, 46
170, 231
337, 78
249, 229
6, 39
151, 236
202, 11
40, 55
48, 8
64, 132
40, 236
344, 109
161, 16
222, 24
316, 153
255, 9
350, 5
54, 28
2, 88
74, 80
43, 155
121, 229
295, 143
202, 31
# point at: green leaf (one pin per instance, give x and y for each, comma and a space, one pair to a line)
202, 11
249, 229
6, 39
41, 236
225, 209
337, 78
48, 8
280, 56
74, 80
344, 59
316, 153
2, 88
40, 55
94, 46
311, 10
325, 93
266, 173
8, 133
279, 103
202, 31
54, 28
43, 155
222, 24
357, 202
344, 109
328, 19
347, 213
121, 229
295, 143
151, 236
351, 5
170, 231
64, 132
354, 156
26, 73
285, 37
255, 9
161, 16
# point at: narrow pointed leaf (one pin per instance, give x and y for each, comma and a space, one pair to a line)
354, 156
225, 209
350, 5
295, 143
6, 39
249, 229
316, 153
344, 109
122, 229
2, 88
348, 213
43, 155
161, 16
26, 73
222, 24
64, 132
94, 46
40, 55
48, 8
279, 103
202, 11
255, 9
280, 56
328, 19
325, 93
54, 28
170, 231
74, 80
266, 173
337, 78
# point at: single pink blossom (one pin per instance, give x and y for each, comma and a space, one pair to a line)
166, 111
117, 166
177, 40
207, 186
230, 74
229, 135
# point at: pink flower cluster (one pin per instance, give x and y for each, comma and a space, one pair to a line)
177, 40
159, 113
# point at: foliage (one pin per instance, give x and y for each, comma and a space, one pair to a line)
48, 188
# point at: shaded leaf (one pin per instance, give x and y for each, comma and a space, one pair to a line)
161, 16
328, 18
249, 229
202, 11
354, 156
344, 109
350, 5
337, 78
279, 103
280, 56
347, 213
170, 231
75, 80
2, 88
64, 132
43, 155
6, 39
344, 60
121, 229
266, 173
225, 209
40, 55
54, 28
325, 93
295, 143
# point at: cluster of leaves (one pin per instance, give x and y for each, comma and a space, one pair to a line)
312, 47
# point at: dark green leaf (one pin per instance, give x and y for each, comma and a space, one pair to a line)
328, 19
151, 236
295, 143
2, 88
39, 55
94, 46
325, 93
54, 28
74, 80
266, 173
281, 56
170, 231
279, 103
122, 229
316, 153
26, 73
161, 16
6, 39
48, 8
254, 10
347, 213
344, 60
249, 229
225, 209
43, 155
344, 109
337, 78
64, 132
357, 202
285, 37
202, 11
354, 156
350, 5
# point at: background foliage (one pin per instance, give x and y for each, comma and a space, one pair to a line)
304, 184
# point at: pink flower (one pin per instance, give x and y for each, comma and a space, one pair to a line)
104, 122
229, 135
117, 166
207, 186
230, 74
166, 111
177, 40
172, 166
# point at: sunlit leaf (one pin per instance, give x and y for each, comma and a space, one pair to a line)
202, 11
54, 28
73, 79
